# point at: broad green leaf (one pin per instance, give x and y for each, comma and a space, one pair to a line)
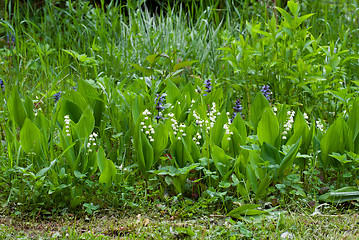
160, 140
259, 104
29, 107
246, 210
337, 139
77, 98
299, 21
173, 93
70, 108
183, 65
137, 141
147, 150
263, 186
180, 152
98, 110
251, 176
353, 124
152, 59
146, 71
221, 160
239, 124
31, 138
287, 17
101, 159
16, 107
87, 91
86, 124
288, 160
268, 127
217, 131
271, 154
342, 158
77, 196
293, 7
46, 169
341, 195
43, 124
108, 173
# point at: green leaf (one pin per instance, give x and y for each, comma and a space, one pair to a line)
221, 160
341, 158
293, 7
87, 91
271, 154
217, 131
287, 17
29, 107
137, 142
337, 139
70, 108
173, 93
31, 138
263, 186
16, 107
288, 160
101, 159
160, 140
341, 195
268, 127
299, 21
86, 124
353, 123
46, 169
180, 152
147, 152
183, 65
246, 210
260, 103
108, 173
98, 110
147, 72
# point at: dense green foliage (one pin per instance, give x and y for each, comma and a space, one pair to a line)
251, 103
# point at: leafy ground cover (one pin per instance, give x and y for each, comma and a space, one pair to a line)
153, 225
232, 109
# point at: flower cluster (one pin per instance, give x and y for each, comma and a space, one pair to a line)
266, 91
197, 138
57, 96
306, 117
67, 121
288, 125
2, 85
208, 86
159, 105
147, 129
10, 39
237, 109
91, 142
320, 125
199, 122
212, 115
228, 132
178, 129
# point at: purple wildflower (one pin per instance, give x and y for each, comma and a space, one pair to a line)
208, 86
57, 96
159, 105
266, 91
2, 85
237, 109
10, 39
